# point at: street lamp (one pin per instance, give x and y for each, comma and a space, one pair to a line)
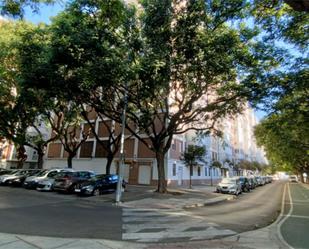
122, 156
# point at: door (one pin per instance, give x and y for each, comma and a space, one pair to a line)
144, 174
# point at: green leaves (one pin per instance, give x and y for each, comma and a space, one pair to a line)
193, 155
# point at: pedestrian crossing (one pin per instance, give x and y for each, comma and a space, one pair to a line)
159, 225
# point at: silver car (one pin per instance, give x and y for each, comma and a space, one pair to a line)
12, 175
229, 186
32, 181
47, 184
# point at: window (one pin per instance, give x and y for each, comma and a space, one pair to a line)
206, 171
86, 149
214, 156
52, 174
35, 155
174, 169
181, 147
174, 145
199, 171
191, 172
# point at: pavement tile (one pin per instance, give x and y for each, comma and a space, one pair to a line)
7, 238
121, 245
46, 242
18, 245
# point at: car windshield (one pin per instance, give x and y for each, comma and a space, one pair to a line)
41, 173
228, 180
21, 173
13, 172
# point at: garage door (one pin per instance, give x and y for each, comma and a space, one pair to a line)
144, 174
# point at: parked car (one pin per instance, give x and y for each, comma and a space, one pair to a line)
293, 178
47, 183
5, 171
4, 179
66, 181
259, 181
252, 183
31, 182
98, 185
229, 186
245, 185
20, 178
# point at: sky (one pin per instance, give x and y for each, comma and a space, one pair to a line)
45, 13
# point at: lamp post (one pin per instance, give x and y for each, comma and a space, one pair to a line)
122, 156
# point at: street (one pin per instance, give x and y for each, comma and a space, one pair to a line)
52, 214
249, 211
295, 226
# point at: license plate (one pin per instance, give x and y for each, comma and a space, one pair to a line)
77, 190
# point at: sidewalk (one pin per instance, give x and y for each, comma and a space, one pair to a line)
177, 198
145, 198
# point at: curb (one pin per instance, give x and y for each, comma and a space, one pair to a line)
209, 202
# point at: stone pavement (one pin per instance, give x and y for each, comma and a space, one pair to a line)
135, 197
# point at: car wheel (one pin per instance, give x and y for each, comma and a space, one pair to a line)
96, 192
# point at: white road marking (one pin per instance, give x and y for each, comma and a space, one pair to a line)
286, 217
141, 225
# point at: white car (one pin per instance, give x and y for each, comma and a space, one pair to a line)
45, 185
12, 175
32, 181
293, 178
229, 186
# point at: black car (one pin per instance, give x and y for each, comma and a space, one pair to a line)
19, 179
245, 185
98, 185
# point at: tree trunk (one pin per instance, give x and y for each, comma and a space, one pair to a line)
190, 177
40, 159
70, 158
109, 164
21, 156
162, 186
301, 176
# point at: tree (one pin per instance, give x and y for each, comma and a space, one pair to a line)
284, 141
185, 73
183, 67
38, 140
19, 106
16, 8
112, 143
181, 72
192, 157
65, 120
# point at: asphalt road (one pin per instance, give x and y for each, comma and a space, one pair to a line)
52, 214
247, 212
295, 226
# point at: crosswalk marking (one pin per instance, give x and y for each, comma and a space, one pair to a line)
153, 225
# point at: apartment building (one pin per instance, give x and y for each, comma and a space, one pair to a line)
237, 144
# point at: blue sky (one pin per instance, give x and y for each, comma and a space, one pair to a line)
45, 13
